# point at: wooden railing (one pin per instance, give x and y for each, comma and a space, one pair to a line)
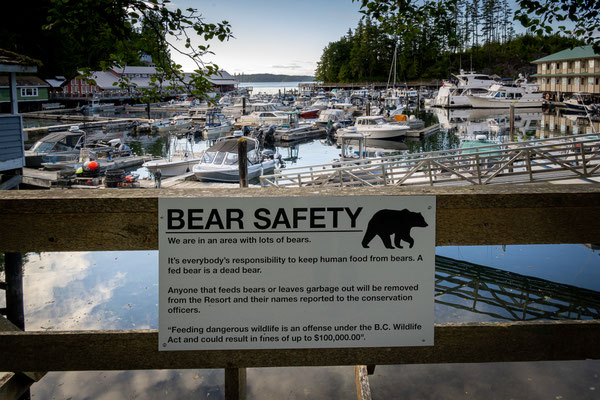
83, 220
569, 157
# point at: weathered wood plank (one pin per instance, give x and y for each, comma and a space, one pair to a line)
84, 220
363, 389
454, 343
13, 386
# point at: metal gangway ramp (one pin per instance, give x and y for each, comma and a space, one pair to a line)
541, 160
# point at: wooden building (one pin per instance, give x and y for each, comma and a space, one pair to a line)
569, 71
12, 152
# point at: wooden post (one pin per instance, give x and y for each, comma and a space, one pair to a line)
368, 108
243, 161
14, 289
512, 122
419, 99
14, 103
243, 105
235, 383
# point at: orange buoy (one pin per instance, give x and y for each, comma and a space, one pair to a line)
92, 165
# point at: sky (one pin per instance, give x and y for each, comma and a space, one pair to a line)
273, 36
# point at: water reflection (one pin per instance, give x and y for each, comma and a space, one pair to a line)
118, 290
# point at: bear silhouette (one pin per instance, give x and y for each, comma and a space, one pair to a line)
386, 223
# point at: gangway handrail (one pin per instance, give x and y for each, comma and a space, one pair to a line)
481, 154
430, 154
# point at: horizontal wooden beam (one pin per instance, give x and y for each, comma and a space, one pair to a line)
87, 220
454, 343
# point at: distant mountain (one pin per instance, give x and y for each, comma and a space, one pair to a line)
274, 78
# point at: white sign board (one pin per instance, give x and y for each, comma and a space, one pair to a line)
296, 272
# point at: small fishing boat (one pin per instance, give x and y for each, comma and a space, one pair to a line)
57, 146
219, 162
216, 124
180, 160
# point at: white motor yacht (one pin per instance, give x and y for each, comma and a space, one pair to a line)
376, 127
468, 83
521, 95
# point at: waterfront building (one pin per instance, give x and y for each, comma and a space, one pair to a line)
105, 84
12, 154
569, 71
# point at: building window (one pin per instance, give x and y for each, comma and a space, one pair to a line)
557, 65
565, 65
543, 67
564, 81
29, 92
577, 64
569, 81
591, 64
543, 81
552, 66
553, 81
590, 81
576, 81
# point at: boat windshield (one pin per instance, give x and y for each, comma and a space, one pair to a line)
379, 121
219, 158
208, 157
231, 159
43, 147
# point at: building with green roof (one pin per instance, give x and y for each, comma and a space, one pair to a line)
569, 71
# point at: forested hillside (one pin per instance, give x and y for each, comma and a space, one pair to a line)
480, 37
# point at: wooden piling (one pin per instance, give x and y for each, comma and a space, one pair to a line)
512, 122
235, 383
243, 161
14, 289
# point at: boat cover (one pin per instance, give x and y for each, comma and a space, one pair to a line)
230, 145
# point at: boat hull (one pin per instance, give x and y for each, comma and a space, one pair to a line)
171, 168
486, 102
231, 174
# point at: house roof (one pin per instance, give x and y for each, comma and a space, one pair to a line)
569, 54
105, 79
24, 81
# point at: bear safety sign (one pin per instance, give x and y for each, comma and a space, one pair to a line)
296, 272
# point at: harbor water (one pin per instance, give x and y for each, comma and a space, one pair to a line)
119, 290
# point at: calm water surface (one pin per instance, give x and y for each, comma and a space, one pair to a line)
119, 290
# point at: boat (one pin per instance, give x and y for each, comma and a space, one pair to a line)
310, 113
198, 114
376, 127
216, 124
520, 95
454, 94
106, 155
238, 109
94, 106
57, 146
581, 103
258, 118
219, 163
333, 115
166, 125
180, 160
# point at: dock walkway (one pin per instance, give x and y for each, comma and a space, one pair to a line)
547, 160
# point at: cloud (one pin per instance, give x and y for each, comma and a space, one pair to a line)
291, 66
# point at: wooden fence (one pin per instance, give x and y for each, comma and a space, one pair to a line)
84, 220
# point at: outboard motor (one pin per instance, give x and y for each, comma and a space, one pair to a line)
246, 130
270, 134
